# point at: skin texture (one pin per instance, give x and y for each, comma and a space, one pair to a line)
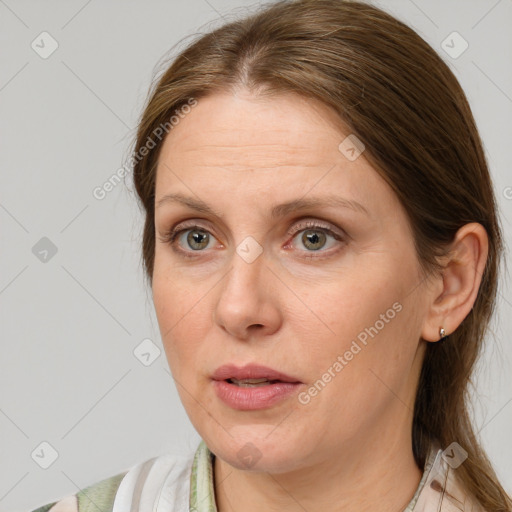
349, 448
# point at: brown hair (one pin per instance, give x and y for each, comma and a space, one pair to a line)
398, 96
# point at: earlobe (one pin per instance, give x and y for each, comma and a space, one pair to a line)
461, 278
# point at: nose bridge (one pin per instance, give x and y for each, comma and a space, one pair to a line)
246, 271
243, 300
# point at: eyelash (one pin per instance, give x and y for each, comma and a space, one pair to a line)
170, 236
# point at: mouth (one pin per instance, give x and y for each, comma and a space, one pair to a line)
252, 375
253, 387
252, 383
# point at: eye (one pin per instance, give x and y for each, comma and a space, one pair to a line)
194, 238
314, 236
190, 239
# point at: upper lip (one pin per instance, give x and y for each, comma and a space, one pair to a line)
250, 371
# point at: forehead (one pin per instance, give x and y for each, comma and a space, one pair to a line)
278, 148
235, 129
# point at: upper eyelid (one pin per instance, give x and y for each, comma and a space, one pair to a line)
297, 226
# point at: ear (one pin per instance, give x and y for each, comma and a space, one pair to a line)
454, 293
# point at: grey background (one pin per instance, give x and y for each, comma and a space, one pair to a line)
69, 326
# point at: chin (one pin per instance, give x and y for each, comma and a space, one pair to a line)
252, 449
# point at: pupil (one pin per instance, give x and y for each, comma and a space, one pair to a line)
196, 237
311, 237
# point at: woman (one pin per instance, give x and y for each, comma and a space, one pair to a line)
323, 247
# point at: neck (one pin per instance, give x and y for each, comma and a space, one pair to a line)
366, 475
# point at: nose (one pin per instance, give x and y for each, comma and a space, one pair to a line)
247, 305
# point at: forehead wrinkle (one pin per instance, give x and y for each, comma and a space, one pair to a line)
252, 155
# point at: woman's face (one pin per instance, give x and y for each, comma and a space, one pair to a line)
329, 295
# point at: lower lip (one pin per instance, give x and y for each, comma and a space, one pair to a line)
248, 399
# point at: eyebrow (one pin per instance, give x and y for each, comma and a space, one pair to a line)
277, 211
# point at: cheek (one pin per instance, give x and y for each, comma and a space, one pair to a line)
366, 322
355, 374
352, 306
174, 295
180, 318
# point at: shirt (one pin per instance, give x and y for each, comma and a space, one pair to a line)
173, 483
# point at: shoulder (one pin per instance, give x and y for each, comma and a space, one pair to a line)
161, 480
163, 477
100, 494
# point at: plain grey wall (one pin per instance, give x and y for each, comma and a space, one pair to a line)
72, 304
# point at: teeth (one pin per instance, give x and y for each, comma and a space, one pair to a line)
250, 383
